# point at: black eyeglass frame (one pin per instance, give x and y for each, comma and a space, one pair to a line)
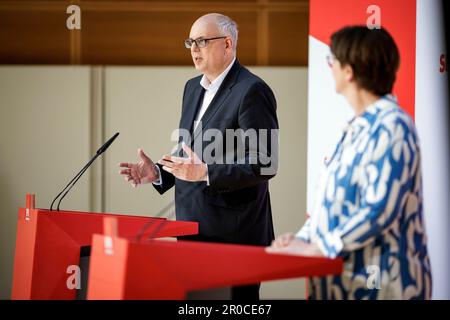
189, 42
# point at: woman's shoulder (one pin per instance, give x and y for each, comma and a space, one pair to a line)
392, 116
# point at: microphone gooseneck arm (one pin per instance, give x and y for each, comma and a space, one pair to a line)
72, 182
77, 178
77, 175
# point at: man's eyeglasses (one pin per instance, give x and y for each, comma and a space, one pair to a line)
200, 43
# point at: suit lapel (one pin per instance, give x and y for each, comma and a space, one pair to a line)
195, 100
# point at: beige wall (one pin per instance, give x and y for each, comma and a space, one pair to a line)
54, 118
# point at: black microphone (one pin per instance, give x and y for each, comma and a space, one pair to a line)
82, 171
107, 144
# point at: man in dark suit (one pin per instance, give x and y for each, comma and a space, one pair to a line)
225, 189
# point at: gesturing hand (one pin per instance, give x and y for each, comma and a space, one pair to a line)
188, 169
139, 173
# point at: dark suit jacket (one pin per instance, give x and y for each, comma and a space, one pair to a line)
235, 207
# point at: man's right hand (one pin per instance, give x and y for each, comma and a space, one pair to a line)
139, 173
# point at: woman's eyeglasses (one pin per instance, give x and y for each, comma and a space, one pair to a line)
330, 60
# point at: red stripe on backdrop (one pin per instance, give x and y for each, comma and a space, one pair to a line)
398, 17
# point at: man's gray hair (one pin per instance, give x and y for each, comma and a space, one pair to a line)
228, 27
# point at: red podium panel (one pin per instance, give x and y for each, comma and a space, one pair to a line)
48, 242
159, 269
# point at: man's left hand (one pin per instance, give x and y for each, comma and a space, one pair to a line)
188, 169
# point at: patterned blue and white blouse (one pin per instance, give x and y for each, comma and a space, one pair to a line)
368, 210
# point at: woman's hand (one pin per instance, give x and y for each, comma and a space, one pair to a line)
288, 244
283, 240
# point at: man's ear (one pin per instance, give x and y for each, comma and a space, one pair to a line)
228, 43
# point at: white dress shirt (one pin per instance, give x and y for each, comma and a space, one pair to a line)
211, 89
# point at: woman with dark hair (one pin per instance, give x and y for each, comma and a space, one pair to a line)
368, 208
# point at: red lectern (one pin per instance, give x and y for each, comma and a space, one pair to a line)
48, 242
158, 269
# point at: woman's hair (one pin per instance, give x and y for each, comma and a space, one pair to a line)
372, 54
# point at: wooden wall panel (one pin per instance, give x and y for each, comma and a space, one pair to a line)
151, 37
147, 32
288, 37
28, 36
